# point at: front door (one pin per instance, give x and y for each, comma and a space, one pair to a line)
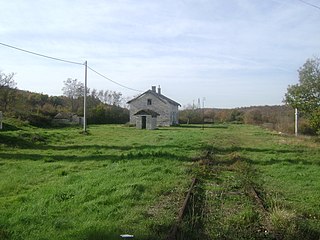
144, 122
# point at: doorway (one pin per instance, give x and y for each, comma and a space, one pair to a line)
144, 122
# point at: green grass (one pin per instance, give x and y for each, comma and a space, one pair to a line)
72, 186
284, 171
62, 184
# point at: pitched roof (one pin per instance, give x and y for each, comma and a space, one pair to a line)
160, 96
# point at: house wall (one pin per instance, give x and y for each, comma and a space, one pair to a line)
166, 110
153, 123
174, 114
138, 122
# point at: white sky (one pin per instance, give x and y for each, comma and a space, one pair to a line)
234, 53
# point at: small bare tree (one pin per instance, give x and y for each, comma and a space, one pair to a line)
7, 89
73, 90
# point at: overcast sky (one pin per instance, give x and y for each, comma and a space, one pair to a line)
233, 53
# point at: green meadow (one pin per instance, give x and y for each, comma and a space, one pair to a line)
63, 184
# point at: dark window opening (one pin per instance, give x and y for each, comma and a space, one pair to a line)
149, 102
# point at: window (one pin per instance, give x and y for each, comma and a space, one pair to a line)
149, 101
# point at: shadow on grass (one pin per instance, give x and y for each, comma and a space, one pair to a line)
17, 141
156, 232
8, 127
194, 126
95, 157
274, 160
200, 126
144, 152
4, 233
100, 235
108, 147
226, 150
281, 161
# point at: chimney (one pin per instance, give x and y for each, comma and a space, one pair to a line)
159, 90
153, 88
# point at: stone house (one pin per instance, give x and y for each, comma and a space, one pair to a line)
151, 109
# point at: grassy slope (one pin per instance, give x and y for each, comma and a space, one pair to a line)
121, 180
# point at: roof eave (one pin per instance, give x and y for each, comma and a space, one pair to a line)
161, 97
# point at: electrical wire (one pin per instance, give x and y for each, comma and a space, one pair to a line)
109, 79
41, 55
67, 61
310, 4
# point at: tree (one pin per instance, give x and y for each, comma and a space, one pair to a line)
117, 97
7, 80
73, 90
305, 96
7, 89
56, 101
190, 115
236, 116
107, 97
253, 116
37, 101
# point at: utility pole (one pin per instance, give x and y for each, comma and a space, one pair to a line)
85, 98
203, 99
296, 122
0, 120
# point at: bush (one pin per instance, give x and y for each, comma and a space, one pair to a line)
108, 114
306, 129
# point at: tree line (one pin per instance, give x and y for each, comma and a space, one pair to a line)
103, 106
279, 118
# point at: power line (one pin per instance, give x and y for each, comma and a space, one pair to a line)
41, 55
310, 4
67, 61
109, 79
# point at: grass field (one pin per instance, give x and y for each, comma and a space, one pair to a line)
284, 172
62, 184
